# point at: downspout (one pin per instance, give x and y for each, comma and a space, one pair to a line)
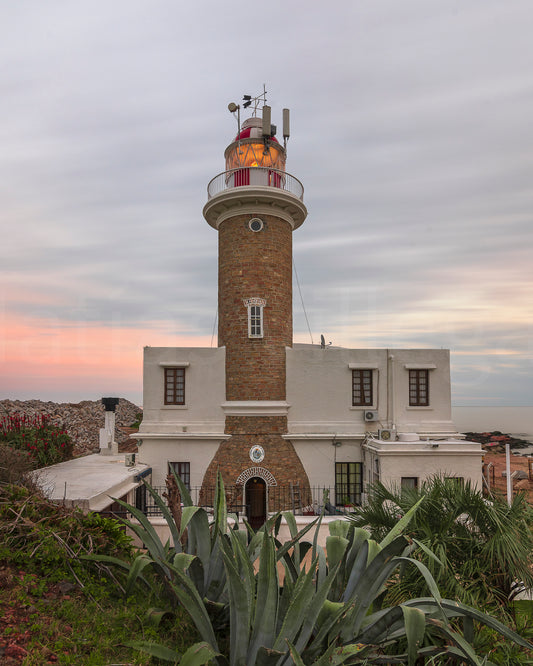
390, 391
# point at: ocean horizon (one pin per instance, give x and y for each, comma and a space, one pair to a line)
515, 421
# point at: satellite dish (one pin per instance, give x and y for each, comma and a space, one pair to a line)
232, 107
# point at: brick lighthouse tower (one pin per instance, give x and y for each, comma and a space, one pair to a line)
255, 206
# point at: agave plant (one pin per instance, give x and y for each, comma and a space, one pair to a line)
281, 609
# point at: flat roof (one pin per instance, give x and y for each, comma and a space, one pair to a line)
91, 482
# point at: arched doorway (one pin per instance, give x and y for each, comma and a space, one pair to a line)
256, 501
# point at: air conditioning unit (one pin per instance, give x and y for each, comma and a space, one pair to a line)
129, 460
387, 435
371, 415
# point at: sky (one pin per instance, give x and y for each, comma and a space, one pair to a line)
411, 131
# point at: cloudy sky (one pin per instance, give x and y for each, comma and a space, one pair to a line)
412, 132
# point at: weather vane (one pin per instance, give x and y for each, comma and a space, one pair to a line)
260, 100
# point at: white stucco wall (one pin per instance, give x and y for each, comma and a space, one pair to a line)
319, 390
423, 460
319, 457
182, 433
204, 390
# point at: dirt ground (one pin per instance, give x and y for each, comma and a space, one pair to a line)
495, 462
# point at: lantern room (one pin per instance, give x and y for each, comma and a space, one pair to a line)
252, 149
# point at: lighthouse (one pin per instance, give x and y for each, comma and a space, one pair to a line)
255, 206
303, 427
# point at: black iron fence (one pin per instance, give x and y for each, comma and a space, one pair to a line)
311, 501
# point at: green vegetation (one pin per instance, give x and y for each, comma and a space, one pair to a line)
58, 609
483, 547
74, 591
38, 439
297, 602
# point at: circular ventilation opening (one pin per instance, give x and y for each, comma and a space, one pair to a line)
255, 224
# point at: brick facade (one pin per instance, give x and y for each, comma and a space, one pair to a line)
255, 265
281, 461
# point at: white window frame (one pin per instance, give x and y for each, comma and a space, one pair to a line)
255, 308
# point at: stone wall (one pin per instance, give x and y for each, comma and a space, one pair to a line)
81, 420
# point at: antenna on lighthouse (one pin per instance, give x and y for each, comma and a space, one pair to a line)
286, 126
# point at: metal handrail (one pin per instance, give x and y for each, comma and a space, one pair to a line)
255, 176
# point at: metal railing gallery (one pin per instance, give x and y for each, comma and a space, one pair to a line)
337, 501
255, 177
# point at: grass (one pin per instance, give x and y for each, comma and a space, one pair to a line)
44, 623
55, 609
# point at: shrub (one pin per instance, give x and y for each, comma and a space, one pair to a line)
39, 438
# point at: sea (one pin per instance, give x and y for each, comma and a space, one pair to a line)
515, 421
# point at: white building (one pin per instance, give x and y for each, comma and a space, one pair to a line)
283, 421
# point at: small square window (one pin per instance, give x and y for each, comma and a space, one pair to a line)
174, 386
410, 482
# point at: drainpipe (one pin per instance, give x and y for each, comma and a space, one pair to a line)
390, 391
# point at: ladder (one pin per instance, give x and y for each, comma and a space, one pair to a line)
296, 499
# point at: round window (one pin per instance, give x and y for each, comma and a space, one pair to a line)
255, 224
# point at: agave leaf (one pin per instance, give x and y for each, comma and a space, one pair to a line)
400, 526
198, 655
336, 548
357, 570
430, 581
314, 609
155, 616
215, 576
144, 530
415, 628
368, 585
298, 661
137, 567
267, 599
220, 509
459, 641
182, 561
428, 552
300, 605
239, 604
184, 493
155, 649
188, 596
457, 609
268, 657
359, 536
339, 528
187, 514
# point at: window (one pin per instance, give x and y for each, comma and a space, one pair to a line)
183, 470
255, 316
348, 483
418, 388
410, 482
174, 386
362, 389
256, 321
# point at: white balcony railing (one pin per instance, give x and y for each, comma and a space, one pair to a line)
254, 177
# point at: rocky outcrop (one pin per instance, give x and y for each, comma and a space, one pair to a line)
81, 420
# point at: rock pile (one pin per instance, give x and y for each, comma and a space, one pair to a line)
81, 420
